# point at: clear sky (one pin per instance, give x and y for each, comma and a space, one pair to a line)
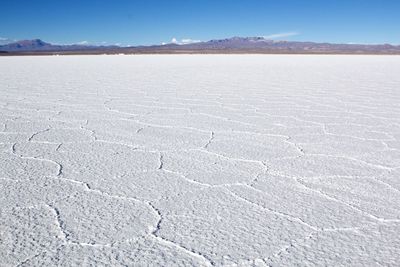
133, 22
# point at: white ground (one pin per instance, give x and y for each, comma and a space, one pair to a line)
200, 160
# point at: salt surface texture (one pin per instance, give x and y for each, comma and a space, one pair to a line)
210, 160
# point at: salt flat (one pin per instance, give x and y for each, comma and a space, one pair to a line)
214, 160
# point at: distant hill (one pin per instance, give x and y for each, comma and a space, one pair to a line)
229, 45
38, 45
26, 45
259, 44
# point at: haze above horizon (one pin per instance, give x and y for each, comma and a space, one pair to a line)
154, 22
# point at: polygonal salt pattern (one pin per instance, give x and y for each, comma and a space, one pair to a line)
206, 160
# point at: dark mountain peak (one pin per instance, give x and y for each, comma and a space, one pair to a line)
31, 43
34, 44
39, 45
238, 40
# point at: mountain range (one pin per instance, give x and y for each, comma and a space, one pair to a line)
229, 45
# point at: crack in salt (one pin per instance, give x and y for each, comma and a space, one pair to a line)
210, 140
39, 132
329, 197
207, 261
161, 159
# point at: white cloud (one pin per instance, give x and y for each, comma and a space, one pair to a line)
183, 41
4, 40
83, 43
189, 41
281, 35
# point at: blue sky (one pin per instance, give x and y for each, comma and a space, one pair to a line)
131, 22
